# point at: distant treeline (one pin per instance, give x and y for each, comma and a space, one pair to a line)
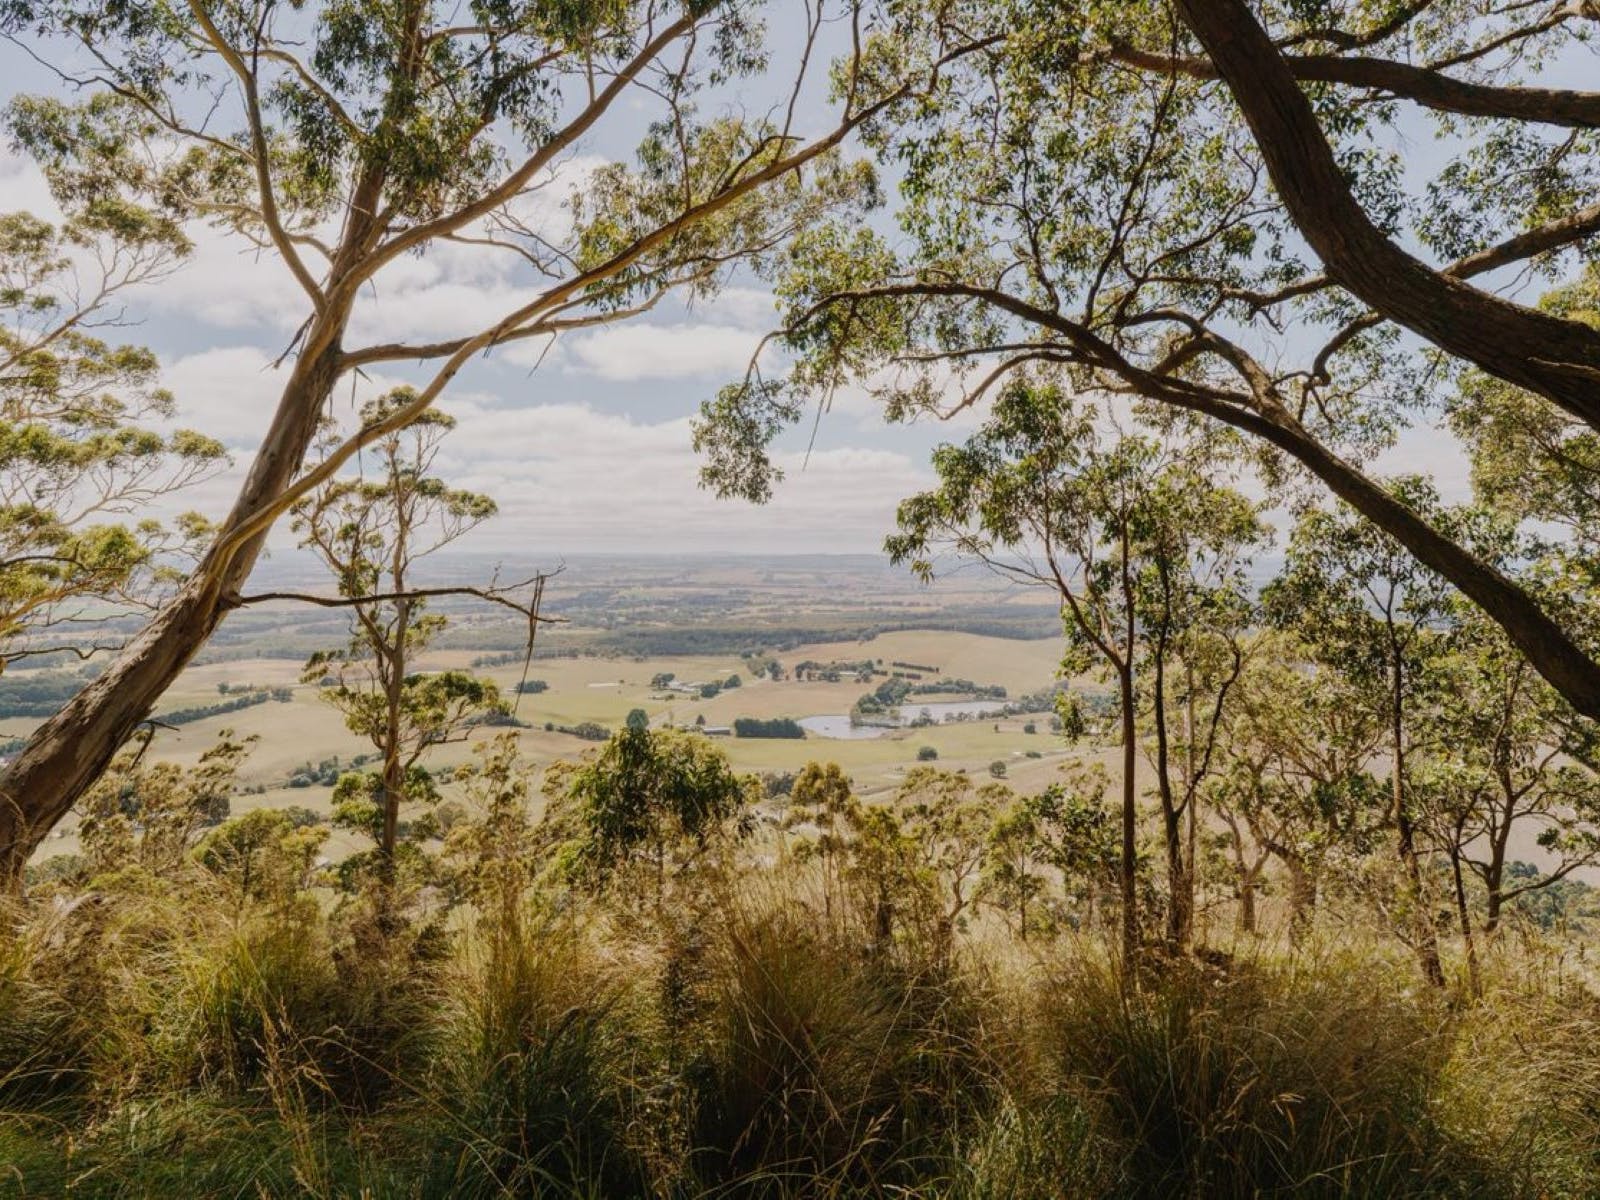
915, 667
505, 658
39, 693
43, 694
199, 712
752, 640
589, 731
960, 687
861, 670
777, 727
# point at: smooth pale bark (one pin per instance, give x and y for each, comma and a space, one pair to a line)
69, 751
1556, 358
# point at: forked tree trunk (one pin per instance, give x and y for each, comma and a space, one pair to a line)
69, 752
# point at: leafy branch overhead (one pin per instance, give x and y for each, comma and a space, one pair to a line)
1202, 211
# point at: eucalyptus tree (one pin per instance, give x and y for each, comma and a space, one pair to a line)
948, 821
1363, 606
655, 803
1532, 460
821, 796
343, 139
1196, 612
1295, 784
372, 531
1136, 196
1063, 834
81, 456
1140, 544
1493, 768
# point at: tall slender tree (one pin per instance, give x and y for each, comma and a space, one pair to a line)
1365, 607
1128, 531
372, 532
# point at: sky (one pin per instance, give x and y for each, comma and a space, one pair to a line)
585, 444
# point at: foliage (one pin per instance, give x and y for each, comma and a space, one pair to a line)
81, 445
657, 802
776, 727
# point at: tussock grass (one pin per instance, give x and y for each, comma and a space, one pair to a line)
749, 1045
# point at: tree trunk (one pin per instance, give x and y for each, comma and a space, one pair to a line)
69, 752
1180, 883
1559, 359
393, 771
1130, 824
1248, 922
1302, 900
1469, 945
1494, 876
1422, 921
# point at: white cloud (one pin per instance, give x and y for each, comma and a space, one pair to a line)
634, 350
569, 479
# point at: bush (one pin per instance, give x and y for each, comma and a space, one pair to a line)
926, 754
778, 727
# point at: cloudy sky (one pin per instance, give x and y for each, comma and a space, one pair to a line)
585, 444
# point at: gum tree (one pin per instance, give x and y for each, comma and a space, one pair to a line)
1295, 782
1087, 196
372, 532
343, 139
1364, 607
1139, 543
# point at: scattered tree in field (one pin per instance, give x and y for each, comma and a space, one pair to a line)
774, 727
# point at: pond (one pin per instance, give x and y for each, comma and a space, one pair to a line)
838, 725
